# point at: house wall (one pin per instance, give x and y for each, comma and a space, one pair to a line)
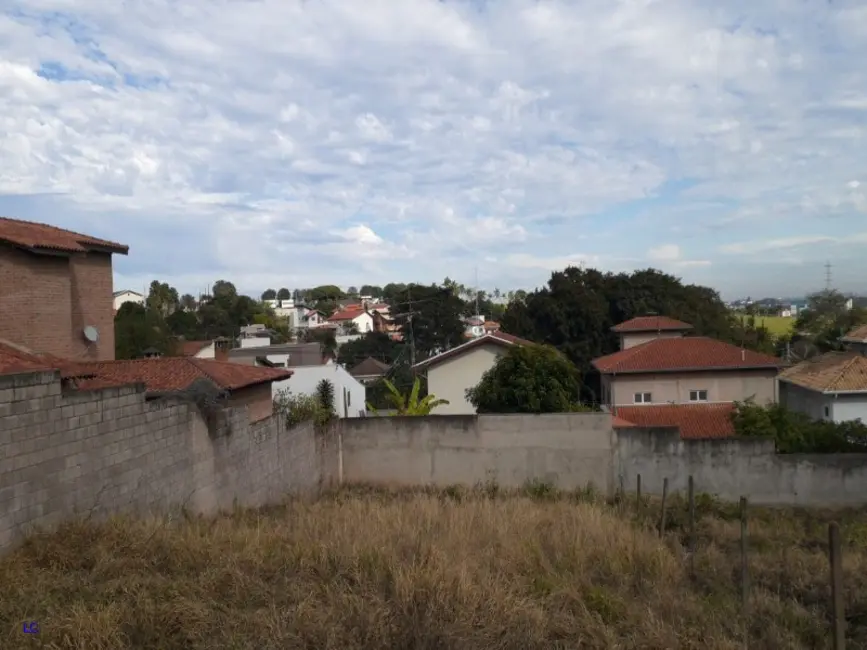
802, 400
257, 399
305, 378
574, 450
631, 340
722, 386
849, 407
110, 451
126, 296
46, 300
450, 379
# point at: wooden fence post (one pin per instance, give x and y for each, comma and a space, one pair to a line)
663, 513
835, 556
638, 493
745, 571
691, 526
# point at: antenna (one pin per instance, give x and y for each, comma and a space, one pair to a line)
827, 276
477, 291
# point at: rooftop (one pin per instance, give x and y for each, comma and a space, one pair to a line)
39, 236
651, 324
831, 372
348, 313
369, 367
495, 338
695, 421
857, 335
679, 354
191, 348
169, 374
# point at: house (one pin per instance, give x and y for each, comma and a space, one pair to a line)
57, 295
451, 373
127, 295
230, 384
479, 326
832, 386
856, 339
385, 325
369, 370
215, 349
647, 328
657, 366
353, 318
309, 365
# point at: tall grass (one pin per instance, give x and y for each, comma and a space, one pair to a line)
423, 569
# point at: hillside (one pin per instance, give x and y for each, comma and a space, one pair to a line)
422, 569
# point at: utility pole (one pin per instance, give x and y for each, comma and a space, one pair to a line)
411, 334
477, 291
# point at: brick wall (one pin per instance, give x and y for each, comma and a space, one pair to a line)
109, 451
257, 399
46, 300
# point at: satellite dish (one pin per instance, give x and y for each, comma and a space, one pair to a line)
91, 333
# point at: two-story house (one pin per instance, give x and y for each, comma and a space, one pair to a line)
660, 377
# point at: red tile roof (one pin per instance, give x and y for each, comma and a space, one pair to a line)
15, 359
695, 421
651, 324
497, 338
29, 234
176, 373
348, 313
857, 335
831, 372
688, 353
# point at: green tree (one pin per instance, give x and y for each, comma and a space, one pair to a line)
371, 290
411, 404
373, 344
137, 329
183, 323
269, 294
325, 292
189, 303
529, 379
283, 294
826, 319
162, 298
430, 318
325, 396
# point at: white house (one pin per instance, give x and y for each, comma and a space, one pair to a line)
361, 318
127, 295
350, 395
832, 386
451, 373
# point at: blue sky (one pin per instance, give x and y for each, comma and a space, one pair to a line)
289, 143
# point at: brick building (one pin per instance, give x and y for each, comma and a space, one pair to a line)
54, 283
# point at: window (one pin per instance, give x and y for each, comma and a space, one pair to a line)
698, 396
643, 398
827, 412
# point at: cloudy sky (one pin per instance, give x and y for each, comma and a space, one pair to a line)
293, 143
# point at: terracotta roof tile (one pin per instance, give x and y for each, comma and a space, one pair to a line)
14, 359
651, 324
369, 367
30, 234
176, 373
695, 421
830, 372
859, 334
688, 353
348, 313
497, 338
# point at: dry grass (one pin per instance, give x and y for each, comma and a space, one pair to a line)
364, 568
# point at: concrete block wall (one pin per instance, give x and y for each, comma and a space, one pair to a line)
732, 468
570, 450
106, 451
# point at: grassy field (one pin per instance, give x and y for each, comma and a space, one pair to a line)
777, 325
429, 570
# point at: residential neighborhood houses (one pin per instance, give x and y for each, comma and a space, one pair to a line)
663, 375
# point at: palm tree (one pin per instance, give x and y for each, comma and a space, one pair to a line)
410, 404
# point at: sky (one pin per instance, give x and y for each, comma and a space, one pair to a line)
290, 143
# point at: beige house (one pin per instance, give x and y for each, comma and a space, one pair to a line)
660, 371
451, 373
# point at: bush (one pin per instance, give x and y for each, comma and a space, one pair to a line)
296, 409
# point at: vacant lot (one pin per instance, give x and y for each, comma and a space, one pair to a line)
419, 569
776, 325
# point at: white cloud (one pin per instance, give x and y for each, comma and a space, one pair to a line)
432, 133
771, 245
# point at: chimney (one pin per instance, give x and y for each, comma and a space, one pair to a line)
221, 350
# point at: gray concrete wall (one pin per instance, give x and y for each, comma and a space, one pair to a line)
110, 451
734, 468
569, 450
